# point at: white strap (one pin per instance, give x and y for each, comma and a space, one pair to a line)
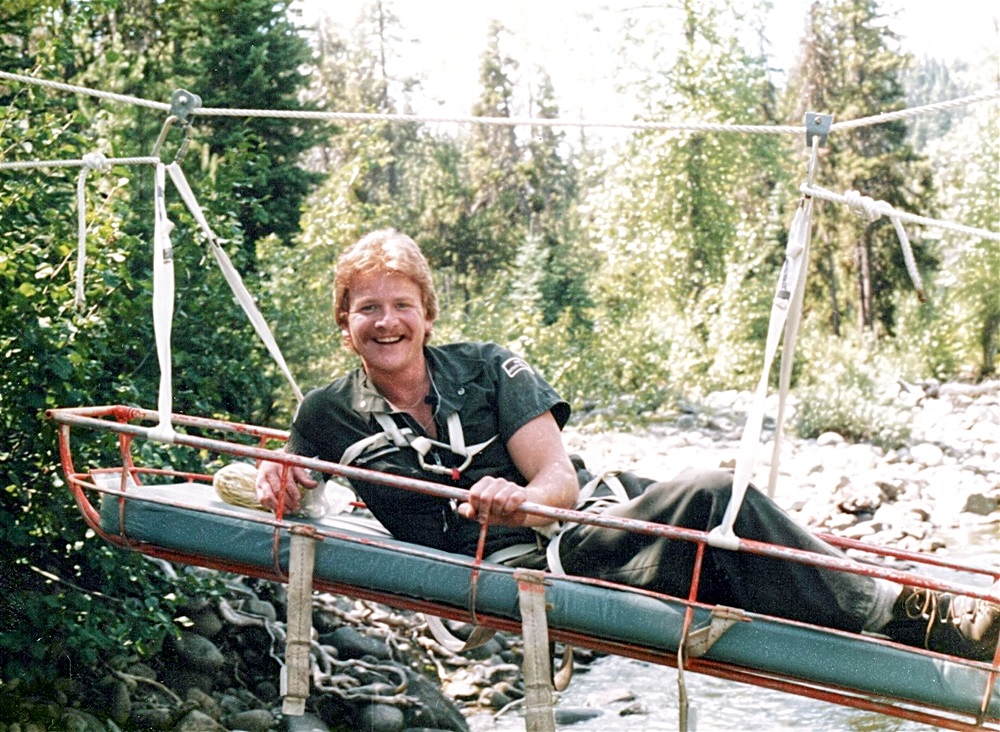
163, 304
788, 355
393, 432
423, 445
479, 635
232, 277
91, 161
510, 552
586, 501
456, 437
785, 297
360, 447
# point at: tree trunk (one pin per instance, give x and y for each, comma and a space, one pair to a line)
834, 304
990, 339
864, 284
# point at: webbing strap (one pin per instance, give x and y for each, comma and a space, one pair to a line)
163, 305
786, 298
295, 673
538, 698
585, 502
232, 277
377, 441
422, 445
95, 161
479, 636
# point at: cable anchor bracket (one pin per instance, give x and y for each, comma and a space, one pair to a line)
817, 124
182, 104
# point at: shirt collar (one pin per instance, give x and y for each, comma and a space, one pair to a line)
451, 373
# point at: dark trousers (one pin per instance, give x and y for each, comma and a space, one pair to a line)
697, 500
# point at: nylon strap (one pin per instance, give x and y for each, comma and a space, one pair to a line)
163, 304
232, 277
786, 298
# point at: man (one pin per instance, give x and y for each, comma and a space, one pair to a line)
478, 416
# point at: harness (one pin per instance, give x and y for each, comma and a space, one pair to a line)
396, 436
393, 435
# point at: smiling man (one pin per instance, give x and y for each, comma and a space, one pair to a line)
477, 416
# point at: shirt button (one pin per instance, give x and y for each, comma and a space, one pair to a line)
363, 404
461, 391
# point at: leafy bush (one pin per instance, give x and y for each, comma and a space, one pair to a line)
848, 390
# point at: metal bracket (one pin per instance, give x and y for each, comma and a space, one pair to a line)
817, 124
723, 618
182, 103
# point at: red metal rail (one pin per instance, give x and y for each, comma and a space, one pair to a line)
126, 423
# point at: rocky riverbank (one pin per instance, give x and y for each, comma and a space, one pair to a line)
380, 670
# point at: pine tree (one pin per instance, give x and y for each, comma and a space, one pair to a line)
850, 67
497, 214
553, 220
250, 55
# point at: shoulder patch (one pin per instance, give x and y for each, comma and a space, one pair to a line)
513, 366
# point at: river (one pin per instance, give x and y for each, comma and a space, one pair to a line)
720, 705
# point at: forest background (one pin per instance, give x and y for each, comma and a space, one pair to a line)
633, 272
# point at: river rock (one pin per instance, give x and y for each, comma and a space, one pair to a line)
576, 715
153, 718
435, 710
252, 720
197, 721
352, 644
197, 652
380, 718
303, 723
980, 504
927, 454
117, 702
206, 622
76, 720
260, 608
205, 702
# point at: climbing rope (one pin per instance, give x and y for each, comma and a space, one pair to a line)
106, 163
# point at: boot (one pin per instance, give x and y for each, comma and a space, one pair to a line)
939, 621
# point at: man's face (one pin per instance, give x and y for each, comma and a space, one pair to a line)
386, 322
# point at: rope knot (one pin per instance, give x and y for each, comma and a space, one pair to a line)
95, 161
865, 206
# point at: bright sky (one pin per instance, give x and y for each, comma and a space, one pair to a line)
574, 40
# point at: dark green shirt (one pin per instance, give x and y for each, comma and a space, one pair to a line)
494, 392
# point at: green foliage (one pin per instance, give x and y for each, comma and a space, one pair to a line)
848, 389
57, 355
627, 275
934, 339
973, 176
850, 65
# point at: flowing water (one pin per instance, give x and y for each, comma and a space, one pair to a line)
721, 705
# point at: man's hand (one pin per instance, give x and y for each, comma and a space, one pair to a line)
495, 501
275, 479
537, 451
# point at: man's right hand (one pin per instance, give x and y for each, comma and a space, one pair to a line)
277, 479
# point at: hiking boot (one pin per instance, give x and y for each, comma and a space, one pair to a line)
939, 621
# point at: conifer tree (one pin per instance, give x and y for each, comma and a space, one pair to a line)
851, 67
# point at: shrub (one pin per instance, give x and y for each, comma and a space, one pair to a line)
849, 389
